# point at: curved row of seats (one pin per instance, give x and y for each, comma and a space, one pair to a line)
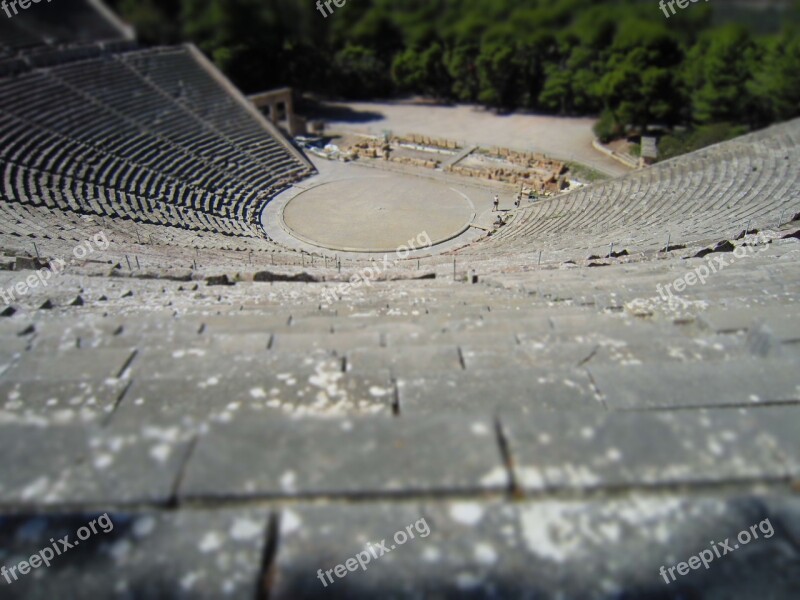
148, 245
40, 26
704, 195
99, 135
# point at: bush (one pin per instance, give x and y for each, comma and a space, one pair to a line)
607, 128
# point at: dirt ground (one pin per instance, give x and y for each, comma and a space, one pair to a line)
558, 137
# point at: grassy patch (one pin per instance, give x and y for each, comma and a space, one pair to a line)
683, 142
585, 174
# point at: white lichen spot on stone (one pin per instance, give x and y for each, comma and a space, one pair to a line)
288, 481
144, 526
244, 529
466, 513
290, 522
467, 581
35, 488
161, 452
211, 542
485, 553
121, 550
531, 477
431, 554
103, 461
189, 580
479, 429
496, 477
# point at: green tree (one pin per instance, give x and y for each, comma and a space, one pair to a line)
619, 58
360, 74
423, 72
462, 68
720, 90
638, 86
498, 76
776, 82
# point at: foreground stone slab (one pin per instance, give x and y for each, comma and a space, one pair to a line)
203, 363
423, 360
59, 402
550, 549
80, 463
557, 450
504, 389
727, 383
35, 459
192, 403
127, 463
71, 365
183, 554
344, 457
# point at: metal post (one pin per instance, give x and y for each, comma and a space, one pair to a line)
417, 264
138, 266
129, 263
611, 250
669, 238
454, 269
540, 258
780, 221
35, 249
194, 264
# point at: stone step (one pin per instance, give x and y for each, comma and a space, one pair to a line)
70, 365
423, 359
203, 363
350, 457
492, 549
59, 402
487, 391
587, 450
193, 404
683, 385
147, 537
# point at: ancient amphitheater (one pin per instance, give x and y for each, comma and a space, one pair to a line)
574, 405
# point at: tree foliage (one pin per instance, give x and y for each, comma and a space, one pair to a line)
621, 59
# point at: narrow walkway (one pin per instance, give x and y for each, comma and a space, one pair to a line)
460, 156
